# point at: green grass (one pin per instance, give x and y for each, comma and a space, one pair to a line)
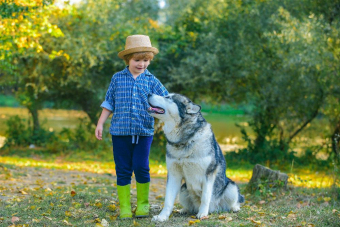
87, 201
9, 101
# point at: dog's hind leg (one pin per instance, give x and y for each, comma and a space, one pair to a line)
185, 200
231, 197
172, 187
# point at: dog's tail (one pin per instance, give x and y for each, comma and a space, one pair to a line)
240, 198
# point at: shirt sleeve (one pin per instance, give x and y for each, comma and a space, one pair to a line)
109, 101
158, 88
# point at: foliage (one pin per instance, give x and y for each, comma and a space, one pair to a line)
19, 133
278, 57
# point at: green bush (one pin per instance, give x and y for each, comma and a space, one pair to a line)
20, 133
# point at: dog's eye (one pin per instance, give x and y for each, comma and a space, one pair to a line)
168, 97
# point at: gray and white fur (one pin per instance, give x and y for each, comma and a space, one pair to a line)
193, 155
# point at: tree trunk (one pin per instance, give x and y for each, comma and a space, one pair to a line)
336, 141
35, 117
267, 178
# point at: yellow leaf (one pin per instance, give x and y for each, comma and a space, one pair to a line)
112, 207
113, 217
98, 204
261, 213
221, 217
23, 192
310, 225
135, 223
229, 219
256, 222
67, 223
159, 197
68, 213
327, 199
334, 211
262, 202
192, 222
73, 193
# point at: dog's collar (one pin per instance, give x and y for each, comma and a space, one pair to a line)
180, 144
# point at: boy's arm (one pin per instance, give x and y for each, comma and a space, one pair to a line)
108, 108
103, 117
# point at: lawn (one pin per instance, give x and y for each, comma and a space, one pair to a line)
59, 192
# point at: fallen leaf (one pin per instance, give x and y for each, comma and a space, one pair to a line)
67, 223
159, 197
68, 213
229, 219
15, 219
291, 216
221, 217
310, 225
104, 223
112, 207
256, 222
204, 218
73, 193
327, 199
334, 211
98, 204
23, 192
113, 217
193, 222
262, 202
135, 223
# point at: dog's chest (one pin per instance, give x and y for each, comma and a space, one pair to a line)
192, 170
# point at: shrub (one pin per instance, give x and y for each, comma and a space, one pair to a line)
20, 133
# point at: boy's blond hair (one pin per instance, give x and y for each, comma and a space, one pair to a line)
138, 56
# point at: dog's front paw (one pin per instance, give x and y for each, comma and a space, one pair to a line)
159, 218
183, 211
201, 215
236, 209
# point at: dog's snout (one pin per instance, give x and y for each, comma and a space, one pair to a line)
149, 95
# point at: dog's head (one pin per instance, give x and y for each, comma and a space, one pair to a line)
174, 106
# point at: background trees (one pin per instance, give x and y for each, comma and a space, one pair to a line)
279, 58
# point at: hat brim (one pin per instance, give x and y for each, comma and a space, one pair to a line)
136, 50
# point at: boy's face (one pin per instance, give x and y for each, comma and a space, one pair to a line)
137, 66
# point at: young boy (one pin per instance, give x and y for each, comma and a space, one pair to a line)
131, 125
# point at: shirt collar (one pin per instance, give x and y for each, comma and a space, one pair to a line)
146, 72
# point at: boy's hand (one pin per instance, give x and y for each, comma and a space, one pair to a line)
99, 131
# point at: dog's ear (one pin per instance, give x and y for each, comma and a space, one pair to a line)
192, 108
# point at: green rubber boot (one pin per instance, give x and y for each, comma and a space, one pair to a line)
142, 200
124, 201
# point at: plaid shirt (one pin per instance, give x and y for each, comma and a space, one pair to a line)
127, 98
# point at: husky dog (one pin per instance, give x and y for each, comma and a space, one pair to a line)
192, 155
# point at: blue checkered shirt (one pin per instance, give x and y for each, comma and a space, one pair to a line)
127, 98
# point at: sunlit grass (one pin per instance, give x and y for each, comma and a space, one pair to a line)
301, 179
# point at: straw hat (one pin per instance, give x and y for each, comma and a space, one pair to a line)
137, 43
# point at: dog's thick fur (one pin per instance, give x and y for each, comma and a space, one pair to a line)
194, 155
